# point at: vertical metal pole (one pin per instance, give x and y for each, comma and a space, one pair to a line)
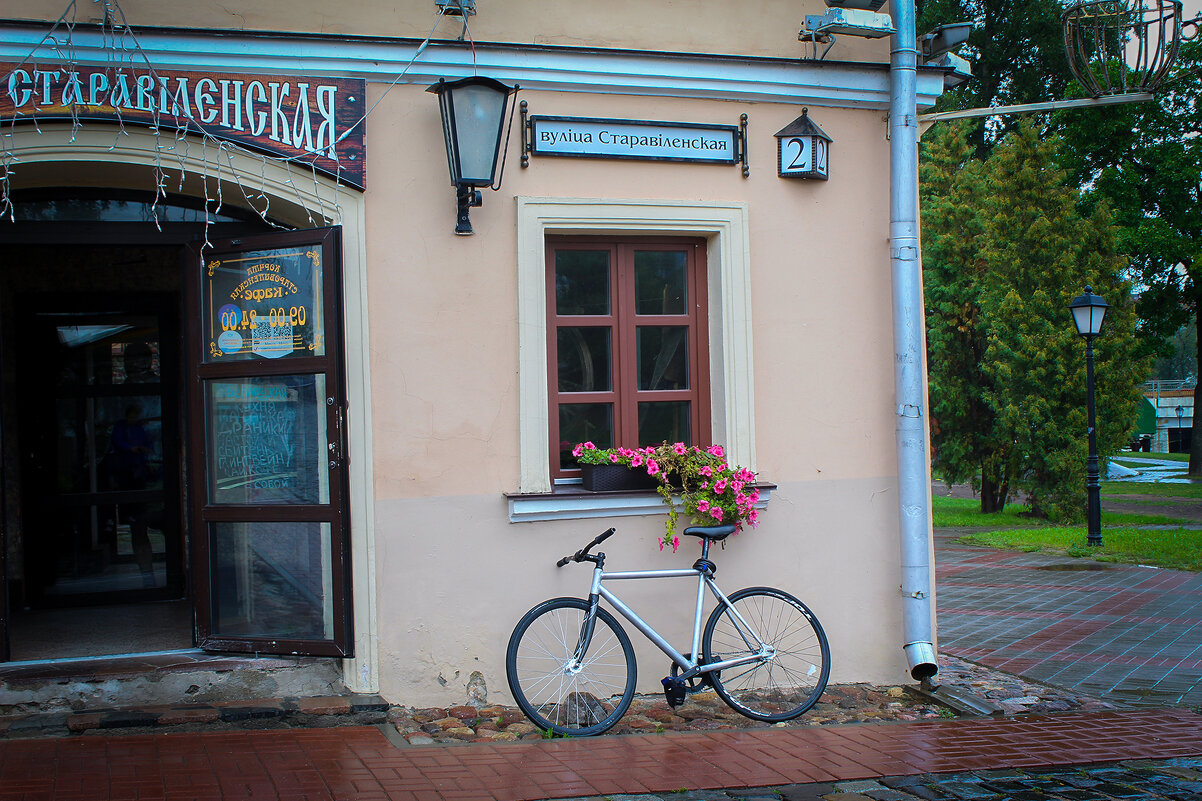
914, 481
1093, 485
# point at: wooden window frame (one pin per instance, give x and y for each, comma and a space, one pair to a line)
623, 322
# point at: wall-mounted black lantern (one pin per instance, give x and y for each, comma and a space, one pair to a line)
802, 149
473, 119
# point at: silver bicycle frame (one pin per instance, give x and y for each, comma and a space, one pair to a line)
691, 667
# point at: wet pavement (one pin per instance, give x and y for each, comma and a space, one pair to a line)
1127, 634
1131, 636
1174, 779
972, 759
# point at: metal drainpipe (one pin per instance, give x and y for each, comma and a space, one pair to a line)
914, 483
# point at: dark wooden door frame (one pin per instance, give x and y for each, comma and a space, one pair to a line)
202, 513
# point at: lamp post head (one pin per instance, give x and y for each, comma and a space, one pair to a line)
1088, 312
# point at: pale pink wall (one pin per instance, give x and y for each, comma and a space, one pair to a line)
454, 574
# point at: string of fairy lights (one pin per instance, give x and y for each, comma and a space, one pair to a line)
176, 135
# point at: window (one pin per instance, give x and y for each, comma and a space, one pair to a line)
627, 344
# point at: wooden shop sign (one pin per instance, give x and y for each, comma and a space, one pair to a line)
302, 119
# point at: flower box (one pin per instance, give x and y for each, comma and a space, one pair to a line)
612, 477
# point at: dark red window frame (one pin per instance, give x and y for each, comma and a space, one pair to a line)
623, 322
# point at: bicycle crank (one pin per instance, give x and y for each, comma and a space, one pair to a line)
695, 684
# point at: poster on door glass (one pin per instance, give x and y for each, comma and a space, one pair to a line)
263, 304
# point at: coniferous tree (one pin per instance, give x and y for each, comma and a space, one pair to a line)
998, 295
966, 449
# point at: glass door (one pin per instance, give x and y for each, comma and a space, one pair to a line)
269, 513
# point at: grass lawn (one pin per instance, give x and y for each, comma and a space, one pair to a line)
1160, 490
1175, 548
966, 513
1123, 456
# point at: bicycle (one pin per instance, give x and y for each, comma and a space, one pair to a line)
571, 666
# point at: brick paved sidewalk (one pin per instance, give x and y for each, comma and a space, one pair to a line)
362, 763
1122, 633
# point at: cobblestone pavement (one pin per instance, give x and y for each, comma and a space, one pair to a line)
840, 704
1154, 780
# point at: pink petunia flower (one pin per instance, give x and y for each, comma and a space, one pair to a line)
703, 505
675, 544
636, 460
720, 486
706, 470
652, 467
715, 450
716, 513
680, 449
579, 449
613, 457
588, 446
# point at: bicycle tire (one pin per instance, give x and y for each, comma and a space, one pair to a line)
793, 680
579, 703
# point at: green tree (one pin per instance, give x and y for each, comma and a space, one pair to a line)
1016, 49
1144, 160
1005, 250
952, 190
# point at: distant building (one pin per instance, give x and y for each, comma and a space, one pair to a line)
1167, 416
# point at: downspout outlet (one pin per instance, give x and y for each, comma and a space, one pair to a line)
922, 660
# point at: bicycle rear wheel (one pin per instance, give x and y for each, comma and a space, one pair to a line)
555, 688
792, 679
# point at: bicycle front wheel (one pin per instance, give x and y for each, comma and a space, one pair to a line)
790, 677
561, 686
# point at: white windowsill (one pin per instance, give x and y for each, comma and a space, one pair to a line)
570, 502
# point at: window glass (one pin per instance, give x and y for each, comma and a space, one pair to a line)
660, 282
272, 580
584, 359
663, 357
584, 422
267, 440
664, 421
582, 282
97, 209
264, 304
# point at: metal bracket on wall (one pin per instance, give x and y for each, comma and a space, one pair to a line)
743, 145
527, 144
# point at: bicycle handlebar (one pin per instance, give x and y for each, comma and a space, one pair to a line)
583, 553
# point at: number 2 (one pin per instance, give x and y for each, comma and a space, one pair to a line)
799, 162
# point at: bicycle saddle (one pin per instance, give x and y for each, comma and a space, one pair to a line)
712, 533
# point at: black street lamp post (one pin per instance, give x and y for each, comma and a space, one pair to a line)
1088, 311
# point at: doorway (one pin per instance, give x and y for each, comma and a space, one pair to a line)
155, 498
91, 408
100, 503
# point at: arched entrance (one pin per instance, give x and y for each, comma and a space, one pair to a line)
103, 553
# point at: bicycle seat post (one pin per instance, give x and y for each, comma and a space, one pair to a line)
705, 548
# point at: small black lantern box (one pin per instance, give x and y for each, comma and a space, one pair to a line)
613, 477
802, 149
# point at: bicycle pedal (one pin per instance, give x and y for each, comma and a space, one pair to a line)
674, 691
